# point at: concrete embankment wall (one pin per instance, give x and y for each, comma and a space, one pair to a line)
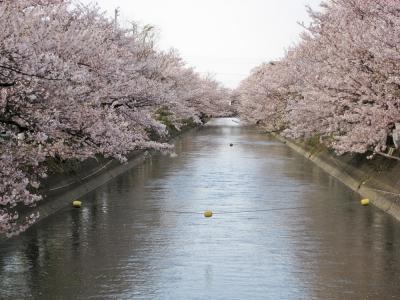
61, 188
377, 179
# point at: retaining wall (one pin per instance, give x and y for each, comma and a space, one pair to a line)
377, 179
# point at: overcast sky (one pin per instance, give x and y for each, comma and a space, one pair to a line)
226, 38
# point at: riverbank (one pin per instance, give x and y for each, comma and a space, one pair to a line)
62, 188
376, 179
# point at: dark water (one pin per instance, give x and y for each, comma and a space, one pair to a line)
139, 237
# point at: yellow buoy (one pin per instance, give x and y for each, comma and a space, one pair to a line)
77, 204
208, 214
365, 202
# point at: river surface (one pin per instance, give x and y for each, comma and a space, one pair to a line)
281, 229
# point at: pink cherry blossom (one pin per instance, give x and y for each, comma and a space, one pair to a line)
73, 85
340, 83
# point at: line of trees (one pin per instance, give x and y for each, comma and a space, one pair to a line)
341, 83
73, 84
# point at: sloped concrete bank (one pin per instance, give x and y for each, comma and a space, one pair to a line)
61, 189
377, 179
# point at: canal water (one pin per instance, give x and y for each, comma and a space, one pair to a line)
281, 229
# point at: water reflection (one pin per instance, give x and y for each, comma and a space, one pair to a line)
123, 244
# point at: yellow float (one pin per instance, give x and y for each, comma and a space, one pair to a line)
364, 202
77, 204
208, 214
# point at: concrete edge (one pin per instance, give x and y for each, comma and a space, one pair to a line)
389, 202
65, 199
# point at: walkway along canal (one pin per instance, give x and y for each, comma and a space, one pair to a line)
281, 229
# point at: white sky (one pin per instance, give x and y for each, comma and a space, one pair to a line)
226, 38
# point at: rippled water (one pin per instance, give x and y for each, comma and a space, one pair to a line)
282, 229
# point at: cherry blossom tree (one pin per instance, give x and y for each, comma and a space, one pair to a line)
342, 79
264, 95
73, 84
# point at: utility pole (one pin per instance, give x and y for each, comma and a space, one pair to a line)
116, 15
134, 28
